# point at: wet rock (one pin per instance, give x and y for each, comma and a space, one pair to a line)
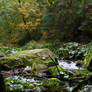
28, 69
88, 62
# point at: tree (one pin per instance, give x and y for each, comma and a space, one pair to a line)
69, 16
2, 84
19, 19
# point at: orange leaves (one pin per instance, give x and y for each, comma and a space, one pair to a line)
31, 16
37, 23
44, 33
41, 14
33, 24
11, 24
33, 10
24, 12
21, 10
90, 13
21, 25
26, 4
38, 20
29, 25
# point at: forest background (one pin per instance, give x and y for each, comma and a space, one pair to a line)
23, 21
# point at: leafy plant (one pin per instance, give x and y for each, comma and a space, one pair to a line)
17, 83
9, 50
75, 50
50, 2
19, 19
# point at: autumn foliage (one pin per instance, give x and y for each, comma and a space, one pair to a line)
26, 11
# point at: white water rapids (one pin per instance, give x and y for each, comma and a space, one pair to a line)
69, 66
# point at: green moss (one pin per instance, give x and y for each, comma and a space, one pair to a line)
54, 79
28, 58
54, 71
88, 62
2, 54
81, 72
34, 45
80, 63
53, 85
39, 67
80, 75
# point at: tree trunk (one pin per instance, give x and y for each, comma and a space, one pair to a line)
2, 84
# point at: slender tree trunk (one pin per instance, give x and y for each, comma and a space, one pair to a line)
2, 84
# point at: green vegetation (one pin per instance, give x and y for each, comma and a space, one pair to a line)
45, 45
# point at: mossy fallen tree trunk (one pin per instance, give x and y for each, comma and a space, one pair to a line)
2, 84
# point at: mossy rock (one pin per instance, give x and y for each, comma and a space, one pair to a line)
28, 58
88, 62
39, 67
53, 85
80, 75
54, 71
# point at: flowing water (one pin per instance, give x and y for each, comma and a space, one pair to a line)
69, 65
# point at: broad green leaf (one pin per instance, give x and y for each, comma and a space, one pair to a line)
50, 2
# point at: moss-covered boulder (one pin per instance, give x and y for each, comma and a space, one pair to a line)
36, 58
88, 62
53, 85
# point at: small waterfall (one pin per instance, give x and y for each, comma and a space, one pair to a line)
69, 66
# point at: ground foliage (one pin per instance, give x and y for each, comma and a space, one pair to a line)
21, 80
62, 26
